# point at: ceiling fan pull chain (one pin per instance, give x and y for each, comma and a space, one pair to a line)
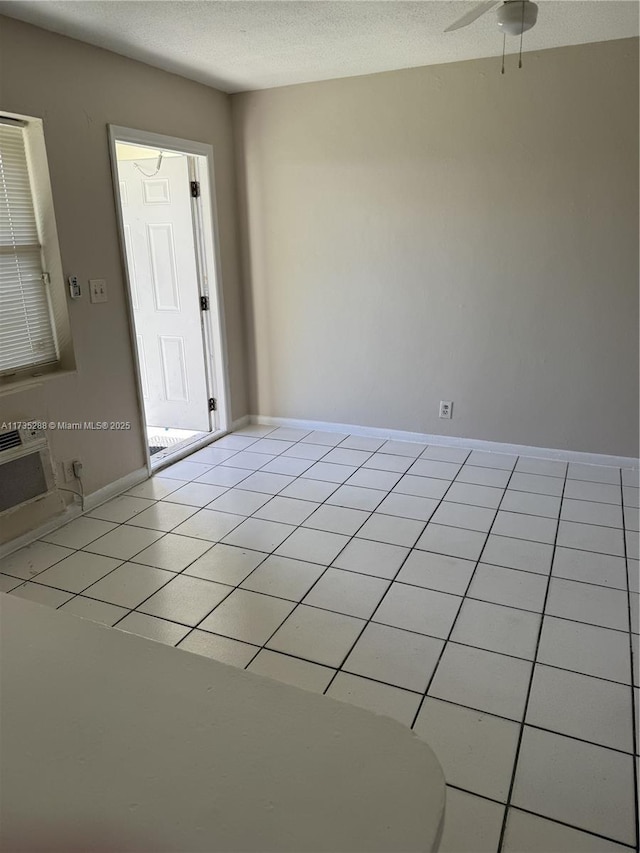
521, 34
504, 41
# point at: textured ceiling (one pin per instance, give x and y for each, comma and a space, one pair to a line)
237, 45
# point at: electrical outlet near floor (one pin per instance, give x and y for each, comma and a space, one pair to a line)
67, 470
446, 409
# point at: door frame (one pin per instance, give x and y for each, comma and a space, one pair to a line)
210, 243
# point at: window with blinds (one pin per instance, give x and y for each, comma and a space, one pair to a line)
27, 335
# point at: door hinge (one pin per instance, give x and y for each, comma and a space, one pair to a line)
204, 303
213, 404
195, 189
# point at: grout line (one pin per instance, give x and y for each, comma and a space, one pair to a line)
516, 756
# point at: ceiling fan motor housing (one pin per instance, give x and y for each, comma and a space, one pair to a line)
517, 16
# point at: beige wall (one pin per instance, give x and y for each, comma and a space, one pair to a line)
78, 89
448, 233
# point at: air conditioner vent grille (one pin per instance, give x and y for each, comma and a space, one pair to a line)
9, 439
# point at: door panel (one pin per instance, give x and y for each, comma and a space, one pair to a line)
159, 244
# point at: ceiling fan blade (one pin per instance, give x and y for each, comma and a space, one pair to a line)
472, 15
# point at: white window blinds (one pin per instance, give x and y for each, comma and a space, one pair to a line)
26, 331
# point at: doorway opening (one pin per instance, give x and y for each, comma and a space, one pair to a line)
169, 243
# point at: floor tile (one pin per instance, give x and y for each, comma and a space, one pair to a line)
271, 446
185, 599
239, 502
77, 572
79, 532
224, 476
630, 496
547, 467
195, 494
422, 487
482, 680
344, 456
236, 442
589, 537
531, 504
487, 459
463, 515
348, 593
397, 657
497, 629
259, 535
357, 442
599, 492
309, 490
527, 833
471, 824
584, 602
453, 541
96, 611
370, 478
289, 434
509, 586
466, 493
185, 470
312, 452
403, 448
316, 546
286, 510
300, 673
317, 635
163, 516
356, 497
478, 476
209, 525
328, 439
389, 463
583, 566
329, 472
7, 583
581, 784
520, 526
156, 488
283, 577
337, 519
124, 542
435, 468
631, 477
152, 628
408, 506
374, 696
120, 509
580, 706
248, 616
371, 558
33, 559
445, 454
518, 554
225, 564
537, 483
172, 552
589, 512
476, 751
415, 609
249, 461
231, 652
594, 473
633, 544
585, 648
212, 455
41, 594
437, 571
268, 484
254, 431
631, 518
129, 585
287, 465
391, 529
633, 574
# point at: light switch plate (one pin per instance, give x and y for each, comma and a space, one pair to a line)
98, 289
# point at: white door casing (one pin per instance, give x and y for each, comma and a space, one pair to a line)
165, 293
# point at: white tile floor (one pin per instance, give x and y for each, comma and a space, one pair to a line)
486, 600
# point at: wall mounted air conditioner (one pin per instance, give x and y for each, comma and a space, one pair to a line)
26, 472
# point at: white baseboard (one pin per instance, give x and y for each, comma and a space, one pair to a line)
116, 488
453, 441
244, 421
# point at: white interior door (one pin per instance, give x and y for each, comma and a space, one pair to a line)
160, 250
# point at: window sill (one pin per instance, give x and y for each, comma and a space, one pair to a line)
26, 383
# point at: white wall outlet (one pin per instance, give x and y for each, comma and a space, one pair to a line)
98, 289
446, 409
74, 287
67, 471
